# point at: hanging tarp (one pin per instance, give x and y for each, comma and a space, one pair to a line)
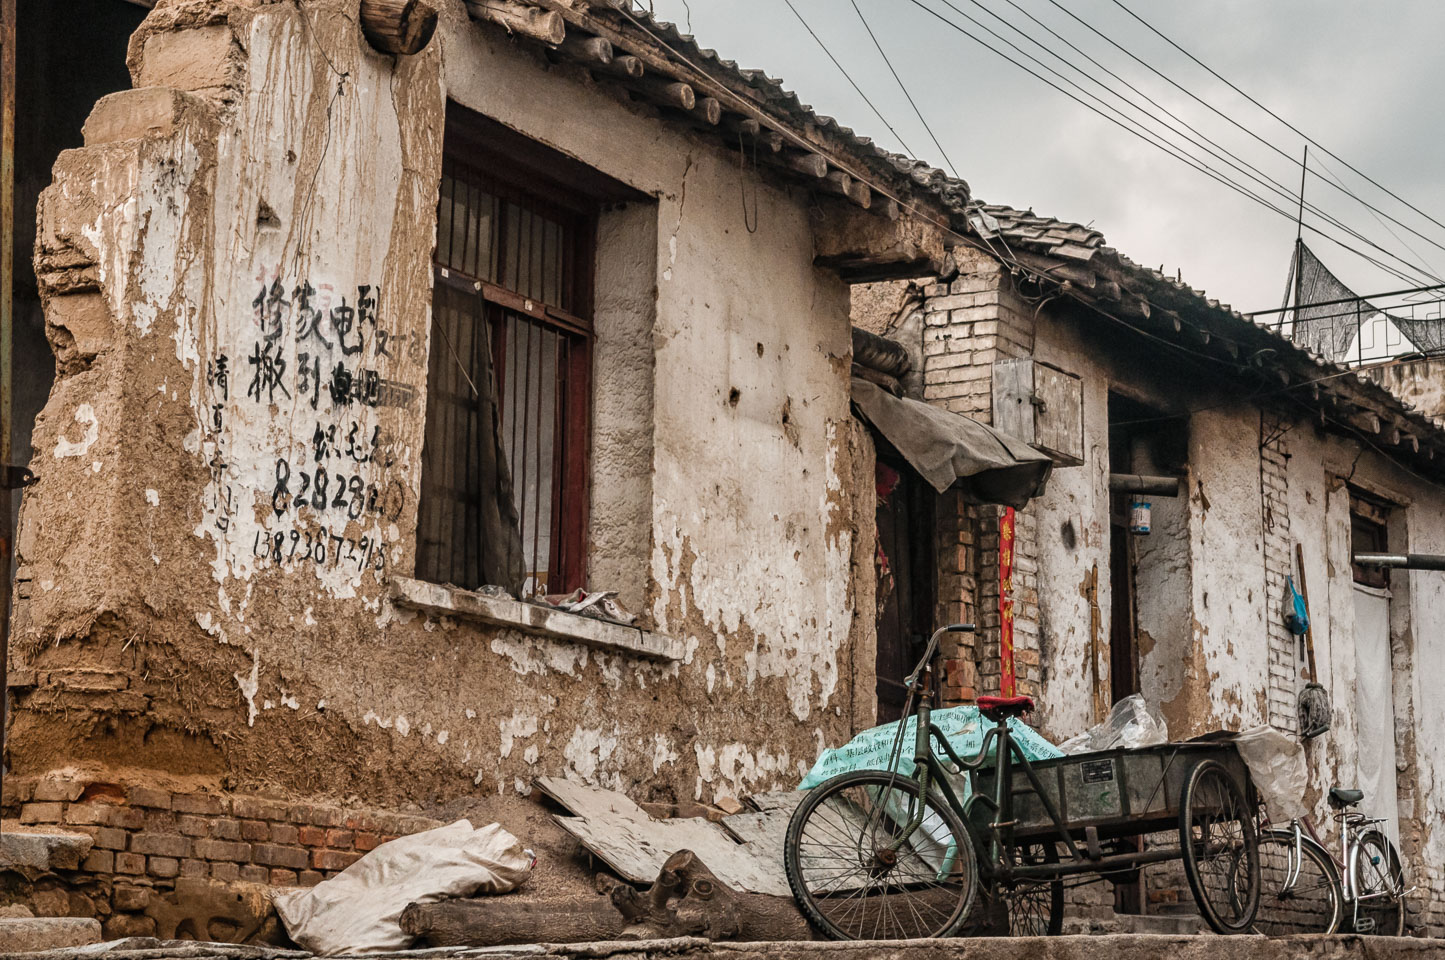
949, 448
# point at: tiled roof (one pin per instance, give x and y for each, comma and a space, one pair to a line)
1167, 307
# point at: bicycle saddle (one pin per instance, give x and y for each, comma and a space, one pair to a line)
998, 708
1340, 797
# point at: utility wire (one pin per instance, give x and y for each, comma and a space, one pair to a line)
1315, 143
902, 86
1139, 131
1193, 96
843, 70
1248, 169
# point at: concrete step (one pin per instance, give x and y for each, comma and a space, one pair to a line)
40, 850
28, 934
1171, 925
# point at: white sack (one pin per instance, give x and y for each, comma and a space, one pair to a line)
359, 909
1277, 766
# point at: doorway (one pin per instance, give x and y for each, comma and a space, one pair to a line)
1374, 666
905, 570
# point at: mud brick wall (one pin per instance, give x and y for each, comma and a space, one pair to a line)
150, 843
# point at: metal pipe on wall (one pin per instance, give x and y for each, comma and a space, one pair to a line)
1139, 483
1402, 561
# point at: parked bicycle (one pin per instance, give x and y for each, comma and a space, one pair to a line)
875, 854
1305, 888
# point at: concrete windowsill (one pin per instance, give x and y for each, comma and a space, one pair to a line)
447, 601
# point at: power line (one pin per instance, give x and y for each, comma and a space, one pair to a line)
1331, 303
1208, 145
902, 86
1147, 136
1311, 140
1192, 95
843, 70
1181, 121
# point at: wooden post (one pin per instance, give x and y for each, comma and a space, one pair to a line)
709, 111
667, 93
402, 27
808, 164
590, 50
523, 19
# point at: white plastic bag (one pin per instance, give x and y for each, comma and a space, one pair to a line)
1132, 722
359, 909
1276, 763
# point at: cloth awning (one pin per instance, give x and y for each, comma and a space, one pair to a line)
949, 448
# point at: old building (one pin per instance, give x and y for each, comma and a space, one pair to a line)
559, 300
1118, 371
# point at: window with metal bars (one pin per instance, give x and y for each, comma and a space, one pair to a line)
505, 471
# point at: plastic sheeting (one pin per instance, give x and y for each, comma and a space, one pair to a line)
359, 909
1132, 722
1375, 707
963, 727
1277, 766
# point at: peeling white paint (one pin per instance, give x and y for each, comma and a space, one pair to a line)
518, 727
84, 414
249, 685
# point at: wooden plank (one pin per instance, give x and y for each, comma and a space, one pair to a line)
629, 841
776, 800
1013, 393
1059, 423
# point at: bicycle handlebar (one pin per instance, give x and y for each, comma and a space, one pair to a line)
912, 679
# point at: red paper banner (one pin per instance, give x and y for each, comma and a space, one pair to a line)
1006, 602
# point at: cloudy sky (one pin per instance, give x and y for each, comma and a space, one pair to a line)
1362, 79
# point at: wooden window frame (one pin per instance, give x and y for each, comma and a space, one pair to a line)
527, 174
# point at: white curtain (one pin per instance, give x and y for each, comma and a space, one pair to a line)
1375, 707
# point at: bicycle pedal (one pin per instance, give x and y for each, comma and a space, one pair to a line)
1365, 925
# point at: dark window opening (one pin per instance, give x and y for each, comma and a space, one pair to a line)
1369, 533
505, 461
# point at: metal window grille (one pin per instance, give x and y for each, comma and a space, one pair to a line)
509, 331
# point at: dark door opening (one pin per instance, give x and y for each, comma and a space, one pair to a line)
904, 564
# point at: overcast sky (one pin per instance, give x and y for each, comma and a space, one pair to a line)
1363, 79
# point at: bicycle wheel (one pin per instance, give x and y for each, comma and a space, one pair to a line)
1220, 848
1379, 887
856, 876
1035, 908
1309, 904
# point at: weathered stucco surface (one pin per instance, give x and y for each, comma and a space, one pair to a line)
231, 461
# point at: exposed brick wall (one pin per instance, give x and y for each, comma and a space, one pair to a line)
155, 838
969, 323
1278, 562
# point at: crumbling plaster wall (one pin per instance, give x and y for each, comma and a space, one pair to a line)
186, 611
1197, 669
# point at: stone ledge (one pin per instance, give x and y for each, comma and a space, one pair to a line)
47, 933
38, 850
448, 601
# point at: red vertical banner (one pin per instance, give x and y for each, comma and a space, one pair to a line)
1006, 602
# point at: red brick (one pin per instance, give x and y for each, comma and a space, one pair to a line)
202, 804
367, 841
282, 878
194, 868
99, 861
284, 833
130, 863
370, 822
86, 813
314, 836
125, 818
223, 850
193, 826
309, 878
226, 829
109, 838
160, 845
149, 797
159, 821
225, 871
333, 859
163, 866
256, 808
255, 830
272, 855
42, 812
65, 790
254, 874
316, 815
339, 839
